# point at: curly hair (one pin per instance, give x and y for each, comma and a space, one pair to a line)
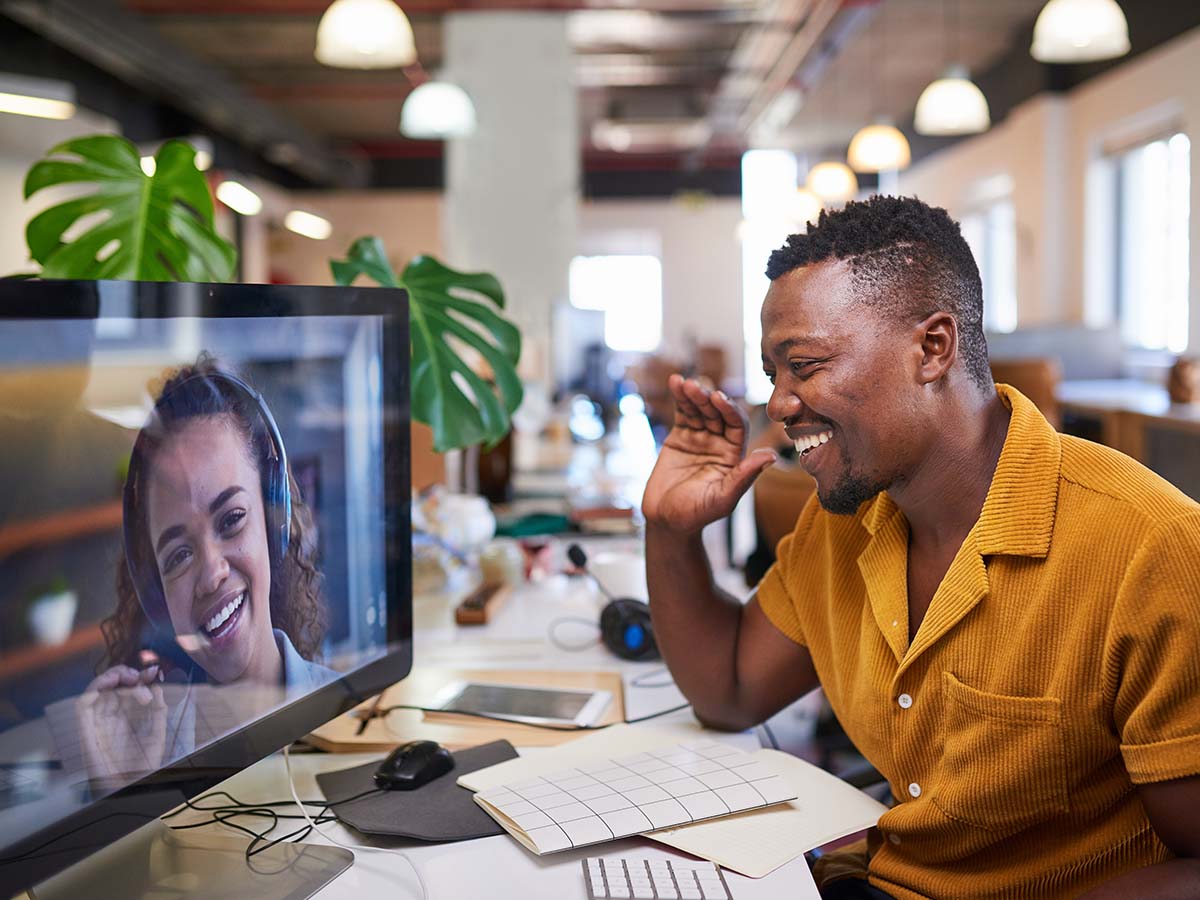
907, 259
297, 601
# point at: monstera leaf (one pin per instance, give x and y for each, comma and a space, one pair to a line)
141, 227
441, 312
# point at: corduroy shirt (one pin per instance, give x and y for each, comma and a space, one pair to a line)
1057, 667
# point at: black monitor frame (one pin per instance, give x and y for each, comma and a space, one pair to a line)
111, 817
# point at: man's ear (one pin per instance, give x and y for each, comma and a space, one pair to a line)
937, 346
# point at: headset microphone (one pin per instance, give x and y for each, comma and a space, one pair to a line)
625, 626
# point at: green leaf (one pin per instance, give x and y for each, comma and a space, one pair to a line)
148, 228
461, 407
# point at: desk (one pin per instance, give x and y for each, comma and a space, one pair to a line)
498, 867
1138, 419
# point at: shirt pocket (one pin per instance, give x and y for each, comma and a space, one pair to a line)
1003, 764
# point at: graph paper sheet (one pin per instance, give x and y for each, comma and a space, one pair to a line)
627, 795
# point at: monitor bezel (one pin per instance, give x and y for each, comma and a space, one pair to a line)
111, 817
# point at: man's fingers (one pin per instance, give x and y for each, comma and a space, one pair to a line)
684, 407
730, 412
701, 398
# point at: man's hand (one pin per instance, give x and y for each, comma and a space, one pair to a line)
701, 473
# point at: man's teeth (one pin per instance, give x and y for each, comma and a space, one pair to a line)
804, 444
223, 614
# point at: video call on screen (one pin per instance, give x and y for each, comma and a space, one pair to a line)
192, 530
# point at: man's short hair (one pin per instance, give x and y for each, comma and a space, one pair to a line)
907, 259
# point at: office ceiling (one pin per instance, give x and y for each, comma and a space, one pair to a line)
693, 79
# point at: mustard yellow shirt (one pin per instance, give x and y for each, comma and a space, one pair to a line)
1058, 666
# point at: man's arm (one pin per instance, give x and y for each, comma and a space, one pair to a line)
1173, 808
735, 667
729, 660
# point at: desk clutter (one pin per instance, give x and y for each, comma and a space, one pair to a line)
633, 794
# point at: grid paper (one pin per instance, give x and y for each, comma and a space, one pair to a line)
628, 795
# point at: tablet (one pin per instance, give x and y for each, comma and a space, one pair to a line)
537, 706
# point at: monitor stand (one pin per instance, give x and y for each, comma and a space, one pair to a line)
155, 861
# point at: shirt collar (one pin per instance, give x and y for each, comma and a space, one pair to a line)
1018, 514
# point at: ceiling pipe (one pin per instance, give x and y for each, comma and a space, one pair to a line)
119, 42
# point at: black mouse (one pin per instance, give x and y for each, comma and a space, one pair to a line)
413, 764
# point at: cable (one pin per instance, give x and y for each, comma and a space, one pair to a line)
641, 682
578, 620
771, 736
383, 713
287, 764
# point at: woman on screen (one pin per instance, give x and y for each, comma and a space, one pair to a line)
219, 546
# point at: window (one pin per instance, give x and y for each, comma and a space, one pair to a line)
628, 290
1151, 259
992, 235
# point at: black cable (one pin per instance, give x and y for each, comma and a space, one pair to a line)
771, 736
546, 725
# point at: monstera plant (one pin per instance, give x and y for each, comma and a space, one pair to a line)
159, 227
441, 312
134, 226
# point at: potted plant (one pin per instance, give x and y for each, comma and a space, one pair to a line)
159, 227
50, 613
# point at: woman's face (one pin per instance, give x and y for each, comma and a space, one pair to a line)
208, 529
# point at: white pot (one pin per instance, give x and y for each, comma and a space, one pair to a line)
51, 617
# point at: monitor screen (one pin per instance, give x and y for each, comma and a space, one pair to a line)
204, 541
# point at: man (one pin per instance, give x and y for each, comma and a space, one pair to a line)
1005, 620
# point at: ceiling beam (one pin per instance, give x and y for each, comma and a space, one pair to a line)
120, 43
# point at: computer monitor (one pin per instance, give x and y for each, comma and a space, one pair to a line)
204, 541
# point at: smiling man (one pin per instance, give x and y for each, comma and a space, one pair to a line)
1005, 620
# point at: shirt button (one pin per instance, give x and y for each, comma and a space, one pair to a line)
894, 838
904, 700
914, 789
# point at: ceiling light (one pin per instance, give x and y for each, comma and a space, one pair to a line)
437, 110
1074, 31
307, 224
203, 160
365, 34
149, 165
952, 105
833, 182
42, 98
879, 148
239, 198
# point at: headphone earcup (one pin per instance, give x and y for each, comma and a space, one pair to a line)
626, 630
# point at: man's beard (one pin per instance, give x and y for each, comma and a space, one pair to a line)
849, 493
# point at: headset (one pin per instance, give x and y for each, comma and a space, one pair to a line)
204, 393
625, 625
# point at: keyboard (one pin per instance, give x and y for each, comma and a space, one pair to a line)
630, 878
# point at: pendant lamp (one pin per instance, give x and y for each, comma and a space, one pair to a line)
805, 207
365, 34
437, 110
1074, 31
879, 148
952, 105
833, 182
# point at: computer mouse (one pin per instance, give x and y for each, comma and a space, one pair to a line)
413, 764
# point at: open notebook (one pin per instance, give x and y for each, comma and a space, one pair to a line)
634, 793
752, 843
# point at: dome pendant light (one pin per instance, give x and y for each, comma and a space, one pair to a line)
437, 110
952, 105
833, 182
879, 148
365, 34
1075, 31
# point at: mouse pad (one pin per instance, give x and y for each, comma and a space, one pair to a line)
437, 811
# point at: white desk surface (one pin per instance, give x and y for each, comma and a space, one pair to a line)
498, 867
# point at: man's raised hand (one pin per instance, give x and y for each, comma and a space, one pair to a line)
701, 471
